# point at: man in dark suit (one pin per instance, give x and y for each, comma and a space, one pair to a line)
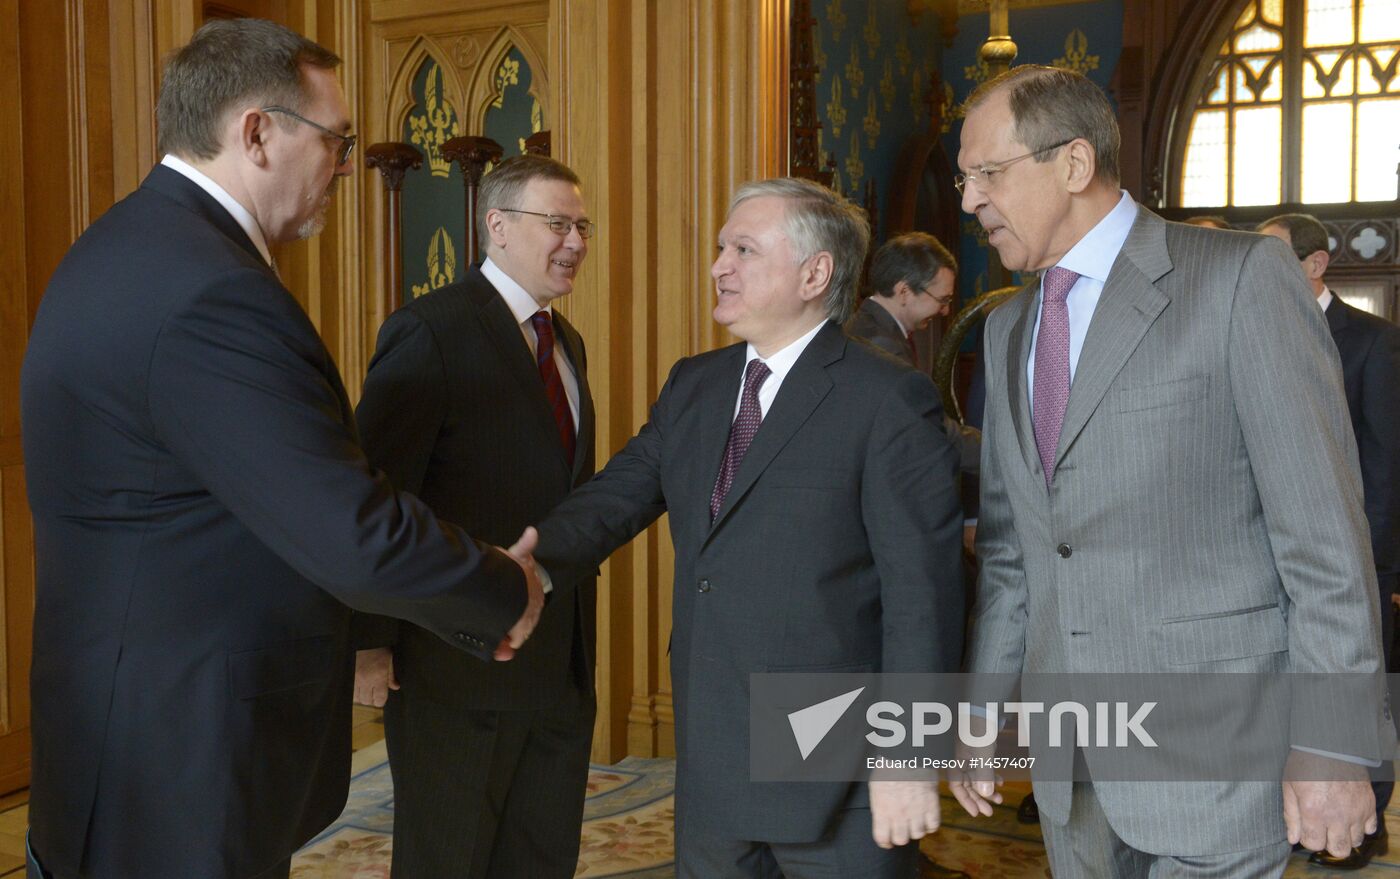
477, 401
1370, 350
911, 283
201, 504
813, 509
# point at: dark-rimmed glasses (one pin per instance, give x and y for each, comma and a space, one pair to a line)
985, 175
560, 225
347, 141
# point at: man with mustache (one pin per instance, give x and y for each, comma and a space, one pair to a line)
202, 510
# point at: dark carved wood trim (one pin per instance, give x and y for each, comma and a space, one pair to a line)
472, 154
803, 125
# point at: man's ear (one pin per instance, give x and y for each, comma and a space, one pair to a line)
1315, 265
816, 276
496, 227
253, 128
902, 292
1082, 163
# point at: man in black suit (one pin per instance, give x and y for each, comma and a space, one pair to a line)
814, 513
1370, 350
911, 282
477, 401
201, 504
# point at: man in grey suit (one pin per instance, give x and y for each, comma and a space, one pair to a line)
1370, 350
1169, 484
814, 513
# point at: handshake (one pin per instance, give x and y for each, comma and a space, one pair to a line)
374, 668
523, 552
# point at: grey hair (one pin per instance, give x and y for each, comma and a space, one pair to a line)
504, 186
1050, 106
228, 66
817, 219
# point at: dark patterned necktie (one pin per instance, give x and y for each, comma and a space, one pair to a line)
741, 432
553, 385
1052, 366
913, 349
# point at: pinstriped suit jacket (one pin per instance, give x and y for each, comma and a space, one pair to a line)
1206, 484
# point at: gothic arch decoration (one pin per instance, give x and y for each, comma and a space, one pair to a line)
486, 90
446, 95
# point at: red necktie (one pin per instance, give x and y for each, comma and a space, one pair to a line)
553, 385
741, 432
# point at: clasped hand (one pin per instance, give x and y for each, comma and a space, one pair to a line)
523, 553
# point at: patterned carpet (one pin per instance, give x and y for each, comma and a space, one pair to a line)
628, 823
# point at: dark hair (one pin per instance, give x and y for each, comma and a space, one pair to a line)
1049, 106
504, 186
913, 258
1306, 233
1210, 221
228, 66
816, 219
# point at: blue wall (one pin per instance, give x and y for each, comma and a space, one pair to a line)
1087, 37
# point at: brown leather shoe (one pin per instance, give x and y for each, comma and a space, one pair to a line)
1374, 844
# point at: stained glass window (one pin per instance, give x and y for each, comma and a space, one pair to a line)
1306, 113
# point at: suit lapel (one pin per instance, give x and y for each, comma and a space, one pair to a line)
805, 386
1128, 306
1336, 315
1018, 350
499, 324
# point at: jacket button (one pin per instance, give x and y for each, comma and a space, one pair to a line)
703, 585
1064, 550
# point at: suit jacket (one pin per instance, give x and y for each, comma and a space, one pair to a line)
201, 511
872, 323
455, 412
836, 549
1370, 350
1205, 514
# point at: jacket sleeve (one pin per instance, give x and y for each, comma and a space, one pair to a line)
1378, 442
245, 396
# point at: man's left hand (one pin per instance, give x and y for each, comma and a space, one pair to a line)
903, 810
1332, 814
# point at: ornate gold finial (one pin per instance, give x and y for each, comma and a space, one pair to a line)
998, 51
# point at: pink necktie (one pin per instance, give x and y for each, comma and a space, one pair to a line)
741, 432
1052, 366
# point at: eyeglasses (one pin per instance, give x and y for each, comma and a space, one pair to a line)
560, 225
347, 141
985, 176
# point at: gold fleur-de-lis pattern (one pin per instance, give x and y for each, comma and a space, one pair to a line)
1077, 57
536, 121
872, 33
836, 107
855, 168
442, 263
836, 14
855, 73
887, 85
902, 54
977, 73
818, 53
434, 122
871, 122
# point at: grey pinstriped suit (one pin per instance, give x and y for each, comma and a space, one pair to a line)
1207, 490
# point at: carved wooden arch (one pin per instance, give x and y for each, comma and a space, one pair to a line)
482, 90
1179, 76
400, 90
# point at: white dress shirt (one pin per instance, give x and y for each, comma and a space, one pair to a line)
779, 365
1092, 259
524, 307
240, 214
1325, 299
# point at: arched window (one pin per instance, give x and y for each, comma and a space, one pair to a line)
1298, 104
